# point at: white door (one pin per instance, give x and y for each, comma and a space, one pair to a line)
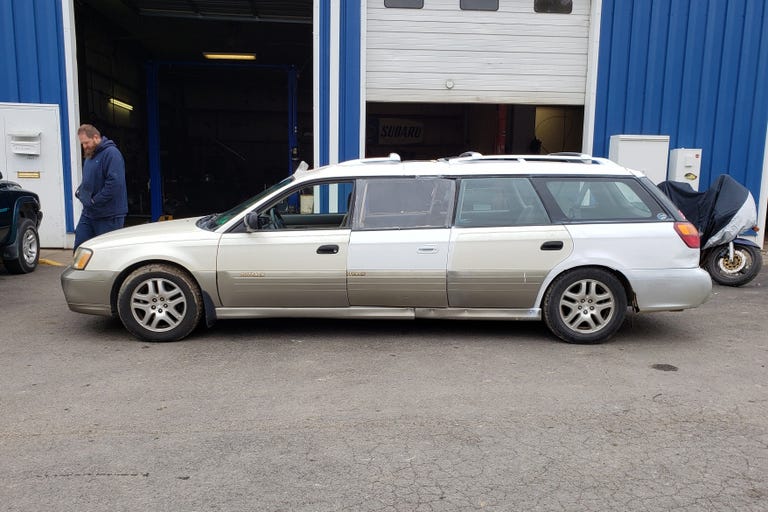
399, 268
398, 250
31, 156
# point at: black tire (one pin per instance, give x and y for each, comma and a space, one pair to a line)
744, 267
586, 305
160, 302
27, 249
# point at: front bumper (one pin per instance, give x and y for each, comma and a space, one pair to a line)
88, 291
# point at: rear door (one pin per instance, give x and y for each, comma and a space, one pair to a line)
503, 244
398, 249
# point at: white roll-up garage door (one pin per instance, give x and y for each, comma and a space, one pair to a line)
440, 53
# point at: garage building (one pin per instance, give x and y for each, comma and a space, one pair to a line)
325, 81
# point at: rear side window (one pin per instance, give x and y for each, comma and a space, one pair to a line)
404, 203
603, 199
501, 201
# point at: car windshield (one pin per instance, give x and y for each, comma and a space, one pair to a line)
211, 222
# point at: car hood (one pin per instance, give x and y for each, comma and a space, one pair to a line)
166, 231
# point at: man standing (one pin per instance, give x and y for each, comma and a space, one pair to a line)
103, 191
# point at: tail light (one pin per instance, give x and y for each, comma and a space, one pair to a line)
689, 234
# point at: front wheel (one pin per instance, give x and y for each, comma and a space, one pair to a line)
744, 267
159, 303
586, 305
27, 249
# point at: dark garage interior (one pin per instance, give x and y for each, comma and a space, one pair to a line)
223, 125
224, 130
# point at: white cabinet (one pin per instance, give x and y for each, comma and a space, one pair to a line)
647, 153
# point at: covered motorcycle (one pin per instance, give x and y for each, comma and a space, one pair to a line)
721, 213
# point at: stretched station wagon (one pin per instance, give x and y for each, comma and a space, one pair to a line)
571, 240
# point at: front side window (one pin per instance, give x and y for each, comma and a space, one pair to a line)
501, 201
603, 199
300, 209
403, 203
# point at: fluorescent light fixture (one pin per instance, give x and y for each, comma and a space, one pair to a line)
229, 56
121, 104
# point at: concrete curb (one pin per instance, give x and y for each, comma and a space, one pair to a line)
56, 257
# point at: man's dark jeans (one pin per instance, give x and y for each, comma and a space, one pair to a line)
88, 228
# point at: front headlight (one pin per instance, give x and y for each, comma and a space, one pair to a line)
82, 257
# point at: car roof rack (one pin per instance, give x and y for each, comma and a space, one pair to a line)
392, 158
581, 158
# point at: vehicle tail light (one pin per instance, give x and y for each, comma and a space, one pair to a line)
689, 234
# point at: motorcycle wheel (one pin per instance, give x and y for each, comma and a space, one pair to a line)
744, 267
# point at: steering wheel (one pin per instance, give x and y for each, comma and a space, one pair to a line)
275, 219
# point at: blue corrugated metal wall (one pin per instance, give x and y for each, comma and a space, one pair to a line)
347, 118
32, 68
696, 70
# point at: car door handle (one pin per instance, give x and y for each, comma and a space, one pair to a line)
427, 249
328, 249
554, 245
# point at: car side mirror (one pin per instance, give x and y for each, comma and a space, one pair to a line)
251, 222
255, 221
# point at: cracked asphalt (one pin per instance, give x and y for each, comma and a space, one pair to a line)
309, 415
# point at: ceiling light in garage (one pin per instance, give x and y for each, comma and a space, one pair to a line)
121, 104
229, 56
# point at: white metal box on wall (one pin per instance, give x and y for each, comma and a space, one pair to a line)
439, 53
30, 155
647, 153
685, 165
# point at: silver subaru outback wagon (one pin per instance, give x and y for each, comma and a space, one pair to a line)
573, 241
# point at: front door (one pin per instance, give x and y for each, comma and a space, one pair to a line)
286, 258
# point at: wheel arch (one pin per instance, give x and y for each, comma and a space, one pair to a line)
209, 310
29, 208
628, 290
25, 207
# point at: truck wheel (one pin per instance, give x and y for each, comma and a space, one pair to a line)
27, 249
159, 302
586, 305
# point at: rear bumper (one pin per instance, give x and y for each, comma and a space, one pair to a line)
671, 289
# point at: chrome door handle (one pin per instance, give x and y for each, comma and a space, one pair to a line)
427, 249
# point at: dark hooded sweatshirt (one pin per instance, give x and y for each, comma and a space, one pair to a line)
103, 191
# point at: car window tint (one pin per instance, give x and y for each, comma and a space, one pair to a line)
404, 203
603, 199
501, 201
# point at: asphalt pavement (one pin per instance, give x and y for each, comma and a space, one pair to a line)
311, 415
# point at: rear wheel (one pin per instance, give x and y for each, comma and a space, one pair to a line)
159, 303
586, 305
739, 270
27, 249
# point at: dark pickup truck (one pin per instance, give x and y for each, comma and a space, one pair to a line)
20, 217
